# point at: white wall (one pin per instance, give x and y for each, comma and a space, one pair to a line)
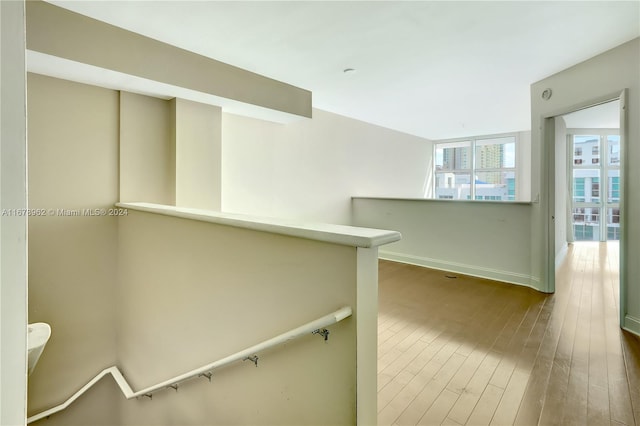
523, 165
484, 239
562, 189
595, 80
13, 228
311, 168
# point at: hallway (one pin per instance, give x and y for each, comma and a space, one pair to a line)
457, 350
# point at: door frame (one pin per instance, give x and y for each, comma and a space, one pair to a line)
549, 183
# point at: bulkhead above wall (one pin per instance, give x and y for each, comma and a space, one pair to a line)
71, 46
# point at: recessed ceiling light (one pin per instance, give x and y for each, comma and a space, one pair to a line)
349, 71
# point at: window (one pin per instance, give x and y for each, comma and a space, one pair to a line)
476, 169
596, 185
614, 215
614, 149
583, 232
595, 189
586, 149
578, 189
614, 187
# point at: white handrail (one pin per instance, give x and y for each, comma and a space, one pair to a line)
310, 327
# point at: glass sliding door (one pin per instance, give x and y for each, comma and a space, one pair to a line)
595, 199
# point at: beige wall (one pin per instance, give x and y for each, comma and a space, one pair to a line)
56, 31
192, 292
159, 296
197, 136
73, 164
170, 152
147, 152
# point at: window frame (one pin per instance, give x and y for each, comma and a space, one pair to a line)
474, 169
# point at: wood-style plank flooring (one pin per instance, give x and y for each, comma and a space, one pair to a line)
458, 350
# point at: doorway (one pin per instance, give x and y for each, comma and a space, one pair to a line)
588, 178
593, 160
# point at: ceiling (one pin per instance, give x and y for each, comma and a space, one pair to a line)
434, 69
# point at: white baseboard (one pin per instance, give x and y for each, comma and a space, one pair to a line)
632, 325
475, 271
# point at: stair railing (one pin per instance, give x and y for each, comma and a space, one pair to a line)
248, 354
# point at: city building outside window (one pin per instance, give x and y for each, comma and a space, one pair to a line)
482, 168
596, 186
595, 189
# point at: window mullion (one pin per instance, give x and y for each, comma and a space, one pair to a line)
473, 170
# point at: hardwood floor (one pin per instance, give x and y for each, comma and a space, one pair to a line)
458, 350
